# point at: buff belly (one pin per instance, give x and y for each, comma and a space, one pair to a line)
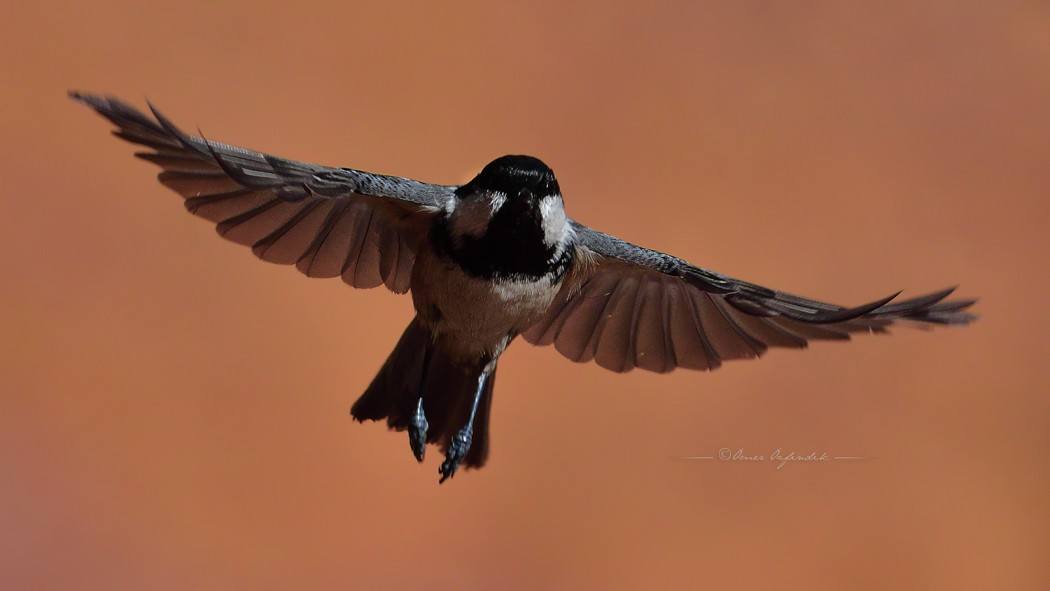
473, 318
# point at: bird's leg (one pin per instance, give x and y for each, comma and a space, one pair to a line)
460, 444
417, 427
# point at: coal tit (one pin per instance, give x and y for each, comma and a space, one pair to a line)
486, 262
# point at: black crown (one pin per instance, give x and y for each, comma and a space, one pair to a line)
511, 174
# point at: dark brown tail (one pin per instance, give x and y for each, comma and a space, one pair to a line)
448, 392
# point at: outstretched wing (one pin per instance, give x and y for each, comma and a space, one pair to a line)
326, 221
625, 306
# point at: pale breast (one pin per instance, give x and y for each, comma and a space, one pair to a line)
474, 317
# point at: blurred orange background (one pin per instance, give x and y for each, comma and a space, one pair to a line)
174, 413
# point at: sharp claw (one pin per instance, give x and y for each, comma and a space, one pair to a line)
418, 445
445, 475
448, 469
457, 450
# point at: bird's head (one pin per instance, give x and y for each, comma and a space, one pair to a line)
512, 178
510, 193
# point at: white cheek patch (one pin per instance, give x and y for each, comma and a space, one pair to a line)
470, 218
555, 224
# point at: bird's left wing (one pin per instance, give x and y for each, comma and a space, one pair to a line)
624, 306
326, 221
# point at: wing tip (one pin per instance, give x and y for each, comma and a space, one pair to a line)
95, 101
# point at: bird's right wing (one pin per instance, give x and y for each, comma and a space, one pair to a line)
326, 221
624, 306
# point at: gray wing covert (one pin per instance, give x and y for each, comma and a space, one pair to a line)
326, 221
624, 306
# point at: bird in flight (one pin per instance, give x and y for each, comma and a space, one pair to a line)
486, 262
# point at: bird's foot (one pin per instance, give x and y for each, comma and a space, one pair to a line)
457, 450
417, 432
